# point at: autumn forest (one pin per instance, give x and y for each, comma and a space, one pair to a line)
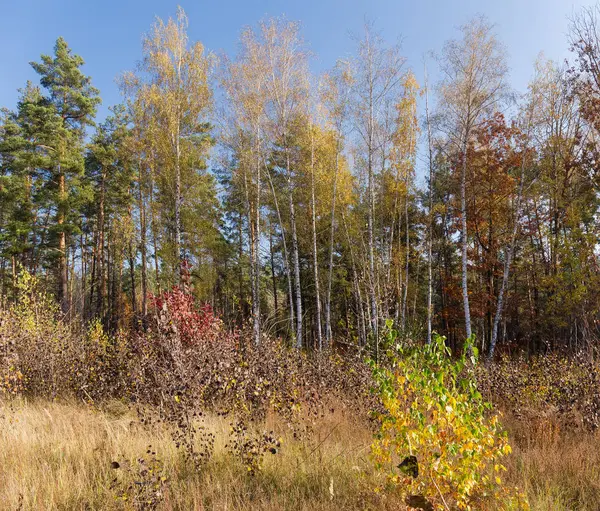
243, 238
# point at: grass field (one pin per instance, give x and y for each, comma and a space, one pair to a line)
62, 456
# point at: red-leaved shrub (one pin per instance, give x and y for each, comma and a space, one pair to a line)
177, 312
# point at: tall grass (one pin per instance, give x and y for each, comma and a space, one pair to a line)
59, 456
559, 469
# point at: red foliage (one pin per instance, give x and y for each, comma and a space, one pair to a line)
177, 311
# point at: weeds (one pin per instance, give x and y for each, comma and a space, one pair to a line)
233, 424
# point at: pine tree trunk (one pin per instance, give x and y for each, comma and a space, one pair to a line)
84, 269
102, 295
62, 247
71, 270
93, 280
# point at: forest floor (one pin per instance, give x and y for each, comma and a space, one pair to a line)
70, 456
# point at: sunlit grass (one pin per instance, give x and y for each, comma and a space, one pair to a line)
57, 455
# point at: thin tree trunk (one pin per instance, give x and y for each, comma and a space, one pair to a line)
143, 228
508, 260
464, 239
178, 197
256, 253
117, 287
314, 240
91, 311
84, 269
273, 278
371, 242
154, 226
132, 278
398, 283
360, 304
286, 263
328, 329
252, 247
242, 301
430, 233
108, 280
13, 260
72, 312
406, 260
179, 257
102, 295
295, 256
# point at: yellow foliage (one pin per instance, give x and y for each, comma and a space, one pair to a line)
438, 439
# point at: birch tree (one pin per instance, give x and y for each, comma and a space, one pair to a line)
430, 213
287, 90
473, 85
403, 158
378, 75
335, 97
176, 74
527, 119
244, 83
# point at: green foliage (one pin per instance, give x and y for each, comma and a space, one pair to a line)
438, 438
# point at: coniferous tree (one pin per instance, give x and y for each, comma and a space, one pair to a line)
74, 100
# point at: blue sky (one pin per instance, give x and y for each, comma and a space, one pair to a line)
107, 34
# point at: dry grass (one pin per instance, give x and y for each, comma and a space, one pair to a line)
58, 456
558, 469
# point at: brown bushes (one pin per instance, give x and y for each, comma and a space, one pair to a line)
184, 366
255, 420
562, 390
43, 355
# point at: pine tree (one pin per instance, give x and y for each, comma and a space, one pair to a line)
74, 100
109, 169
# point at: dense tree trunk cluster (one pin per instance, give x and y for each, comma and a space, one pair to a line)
291, 203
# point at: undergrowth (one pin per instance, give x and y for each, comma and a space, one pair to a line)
186, 414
